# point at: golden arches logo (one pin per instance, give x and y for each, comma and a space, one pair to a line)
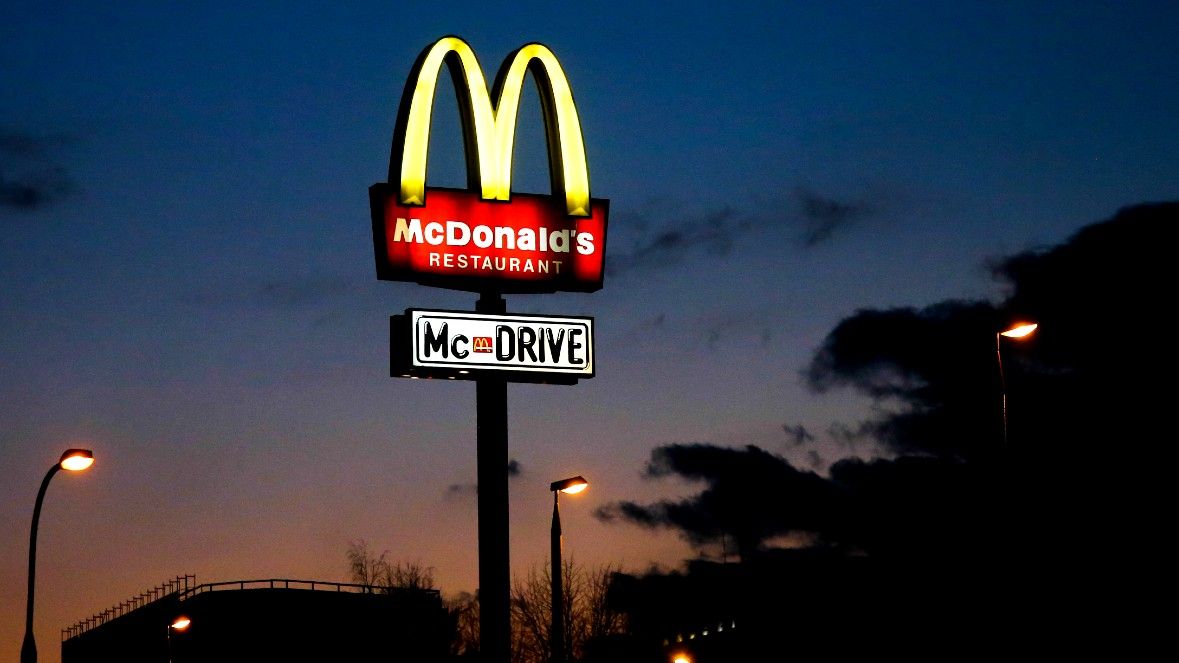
489, 131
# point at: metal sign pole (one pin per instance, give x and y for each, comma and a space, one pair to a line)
491, 404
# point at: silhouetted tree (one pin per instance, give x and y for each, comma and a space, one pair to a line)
464, 611
378, 572
588, 615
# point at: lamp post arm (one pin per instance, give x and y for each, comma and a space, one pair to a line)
28, 650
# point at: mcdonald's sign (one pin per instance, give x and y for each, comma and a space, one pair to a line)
484, 237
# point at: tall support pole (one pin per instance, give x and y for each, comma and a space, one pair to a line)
557, 625
28, 649
491, 396
1002, 384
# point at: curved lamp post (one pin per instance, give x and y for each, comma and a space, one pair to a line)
73, 460
1018, 331
571, 486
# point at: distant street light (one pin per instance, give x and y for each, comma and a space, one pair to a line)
73, 460
1018, 331
181, 623
571, 486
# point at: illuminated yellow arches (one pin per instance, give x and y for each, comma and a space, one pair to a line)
490, 131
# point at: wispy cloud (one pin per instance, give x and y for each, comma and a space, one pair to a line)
821, 216
807, 217
294, 293
37, 180
464, 490
797, 435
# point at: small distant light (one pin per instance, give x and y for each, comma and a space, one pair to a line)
181, 623
705, 633
691, 636
681, 658
464, 372
679, 638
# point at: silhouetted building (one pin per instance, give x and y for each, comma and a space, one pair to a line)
811, 604
266, 620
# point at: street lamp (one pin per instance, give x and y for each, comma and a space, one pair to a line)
73, 460
181, 623
1018, 331
571, 486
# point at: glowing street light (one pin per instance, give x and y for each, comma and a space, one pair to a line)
570, 486
73, 460
181, 623
1018, 331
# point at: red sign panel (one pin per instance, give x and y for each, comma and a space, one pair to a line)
457, 240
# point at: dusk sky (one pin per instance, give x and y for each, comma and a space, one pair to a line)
187, 283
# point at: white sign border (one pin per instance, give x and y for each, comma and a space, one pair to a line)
587, 323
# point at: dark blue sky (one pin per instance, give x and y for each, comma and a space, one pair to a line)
193, 293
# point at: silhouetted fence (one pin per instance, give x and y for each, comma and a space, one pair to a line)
177, 585
287, 583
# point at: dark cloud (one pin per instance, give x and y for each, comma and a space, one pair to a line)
34, 189
1084, 471
797, 435
300, 293
887, 507
814, 459
1080, 472
741, 487
458, 490
822, 216
817, 218
931, 372
37, 180
20, 144
463, 490
721, 326
961, 517
848, 437
294, 293
712, 233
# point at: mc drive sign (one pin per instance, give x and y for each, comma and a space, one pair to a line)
456, 342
